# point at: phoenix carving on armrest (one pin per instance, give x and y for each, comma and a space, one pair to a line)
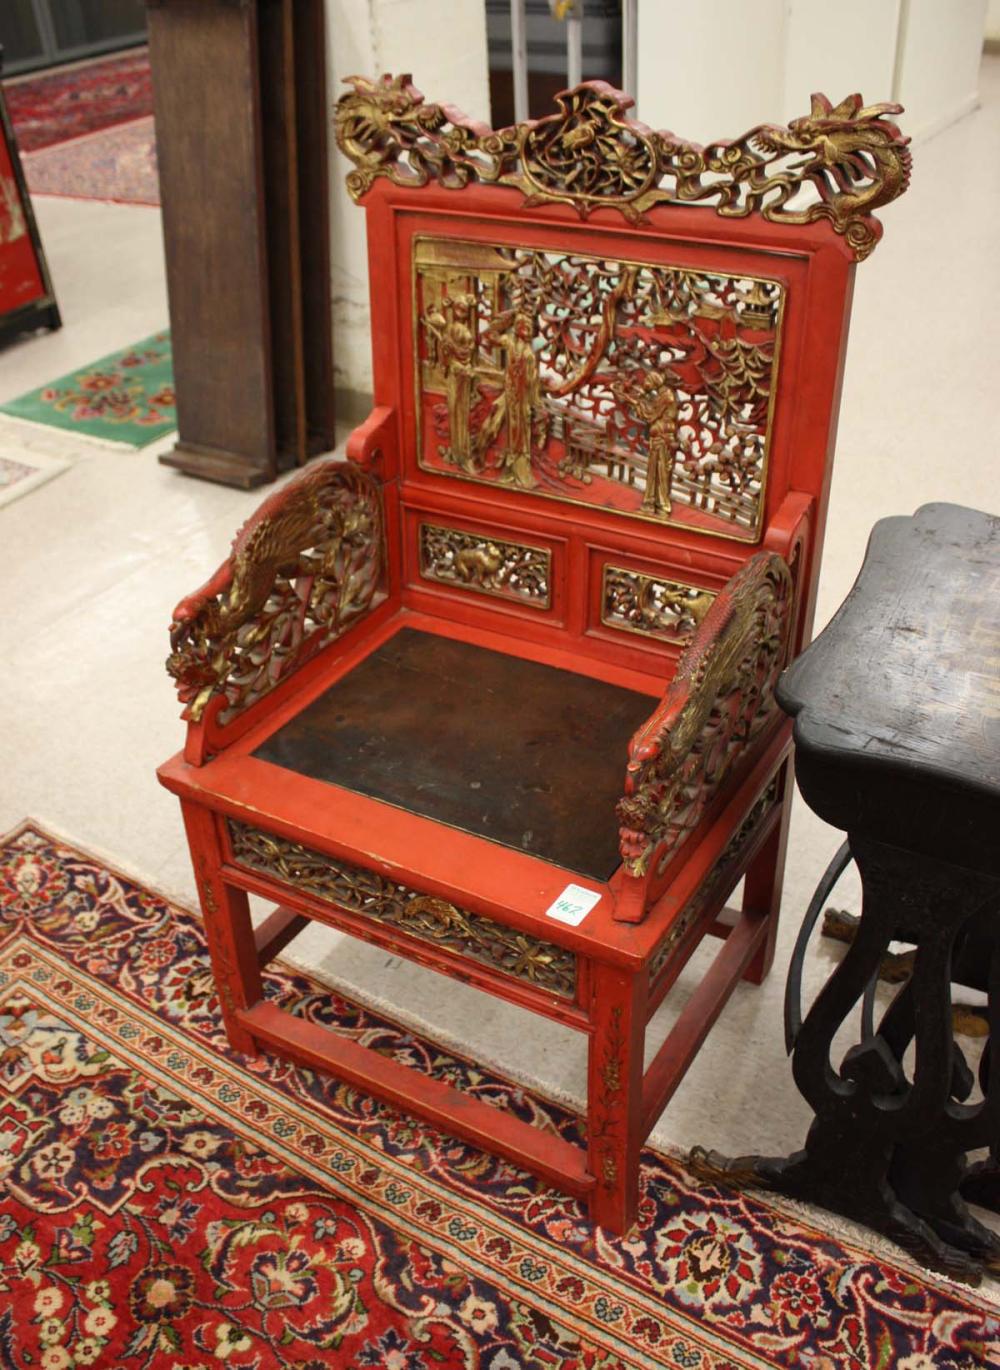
303, 568
720, 699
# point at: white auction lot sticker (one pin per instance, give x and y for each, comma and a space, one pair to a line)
573, 905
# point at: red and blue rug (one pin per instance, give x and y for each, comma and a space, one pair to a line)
165, 1203
116, 164
53, 106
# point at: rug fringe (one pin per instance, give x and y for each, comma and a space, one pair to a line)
28, 427
43, 466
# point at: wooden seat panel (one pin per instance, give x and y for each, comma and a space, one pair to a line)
520, 753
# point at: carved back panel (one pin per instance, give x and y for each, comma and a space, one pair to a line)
612, 354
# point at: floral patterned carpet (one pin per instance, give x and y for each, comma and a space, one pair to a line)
115, 164
67, 102
23, 471
126, 398
165, 1203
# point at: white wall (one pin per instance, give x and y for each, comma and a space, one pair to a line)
838, 48
442, 43
711, 69
707, 70
940, 52
993, 20
715, 68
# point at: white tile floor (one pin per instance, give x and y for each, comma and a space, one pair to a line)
93, 562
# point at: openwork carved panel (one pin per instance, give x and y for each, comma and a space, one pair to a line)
430, 919
721, 698
492, 566
639, 603
837, 163
302, 570
709, 887
644, 389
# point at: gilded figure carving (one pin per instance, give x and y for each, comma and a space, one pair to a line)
642, 388
12, 221
491, 565
453, 345
302, 570
651, 604
652, 398
838, 162
431, 919
720, 699
521, 395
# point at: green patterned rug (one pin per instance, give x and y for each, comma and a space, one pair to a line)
126, 398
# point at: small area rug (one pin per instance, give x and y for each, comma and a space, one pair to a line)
21, 472
117, 164
167, 1203
125, 399
55, 105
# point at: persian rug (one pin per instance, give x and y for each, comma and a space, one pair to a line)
166, 1203
126, 398
22, 472
51, 106
115, 164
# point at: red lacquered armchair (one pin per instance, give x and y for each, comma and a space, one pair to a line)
497, 692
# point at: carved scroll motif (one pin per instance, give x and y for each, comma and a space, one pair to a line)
838, 162
720, 699
709, 888
421, 915
637, 387
303, 568
492, 566
652, 605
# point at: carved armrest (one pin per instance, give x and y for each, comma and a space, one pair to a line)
720, 699
303, 568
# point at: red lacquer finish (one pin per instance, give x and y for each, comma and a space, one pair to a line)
27, 299
553, 515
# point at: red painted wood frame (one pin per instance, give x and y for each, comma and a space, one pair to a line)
623, 970
27, 299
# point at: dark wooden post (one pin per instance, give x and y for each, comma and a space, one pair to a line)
240, 103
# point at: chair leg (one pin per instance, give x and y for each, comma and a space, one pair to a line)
228, 928
614, 1094
762, 886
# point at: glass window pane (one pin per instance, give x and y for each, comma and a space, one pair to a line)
80, 22
19, 34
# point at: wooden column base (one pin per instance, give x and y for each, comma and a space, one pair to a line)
212, 463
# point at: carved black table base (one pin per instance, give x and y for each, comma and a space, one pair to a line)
898, 744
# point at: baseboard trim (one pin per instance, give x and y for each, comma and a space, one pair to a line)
924, 132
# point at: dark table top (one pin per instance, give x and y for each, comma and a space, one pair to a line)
897, 702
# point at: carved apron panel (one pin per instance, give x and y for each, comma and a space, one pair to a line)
424, 916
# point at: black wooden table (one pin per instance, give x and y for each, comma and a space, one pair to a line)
897, 733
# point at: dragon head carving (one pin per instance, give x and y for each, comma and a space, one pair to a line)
855, 156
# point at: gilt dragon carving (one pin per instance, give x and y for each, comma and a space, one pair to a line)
720, 699
838, 162
303, 568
